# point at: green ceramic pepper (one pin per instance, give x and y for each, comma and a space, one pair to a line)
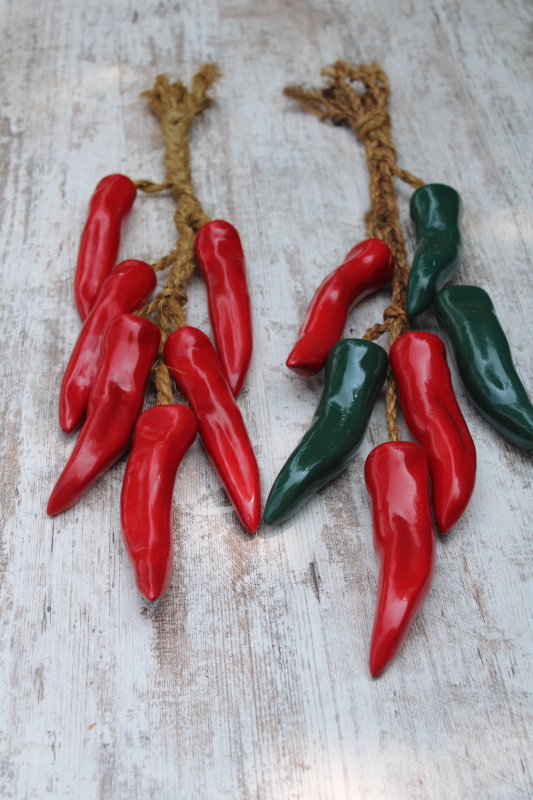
355, 371
436, 211
484, 361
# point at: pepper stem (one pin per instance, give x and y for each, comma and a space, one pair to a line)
367, 114
176, 106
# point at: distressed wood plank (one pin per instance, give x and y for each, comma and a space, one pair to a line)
249, 678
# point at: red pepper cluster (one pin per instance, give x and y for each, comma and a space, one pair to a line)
107, 374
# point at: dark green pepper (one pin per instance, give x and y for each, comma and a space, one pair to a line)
354, 374
484, 361
436, 211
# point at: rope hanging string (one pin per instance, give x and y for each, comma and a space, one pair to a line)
368, 116
176, 106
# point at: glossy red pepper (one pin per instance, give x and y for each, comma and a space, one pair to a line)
100, 241
196, 368
367, 267
127, 288
433, 416
397, 479
221, 261
163, 435
129, 348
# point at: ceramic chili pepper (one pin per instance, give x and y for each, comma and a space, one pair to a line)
129, 348
418, 361
367, 267
355, 372
127, 288
436, 210
221, 261
200, 377
397, 480
163, 435
485, 362
100, 241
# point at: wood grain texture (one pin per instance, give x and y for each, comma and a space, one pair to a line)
249, 678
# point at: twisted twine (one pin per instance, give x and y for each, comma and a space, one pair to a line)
367, 114
176, 106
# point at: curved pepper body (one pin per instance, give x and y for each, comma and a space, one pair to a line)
397, 480
436, 210
129, 348
367, 267
418, 361
163, 435
200, 377
221, 261
355, 372
485, 362
100, 241
127, 288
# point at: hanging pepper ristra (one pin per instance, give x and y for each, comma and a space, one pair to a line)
355, 372
485, 362
100, 241
367, 267
396, 472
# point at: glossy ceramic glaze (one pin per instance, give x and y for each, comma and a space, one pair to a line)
100, 241
221, 261
355, 372
397, 479
485, 362
201, 379
436, 210
127, 288
163, 435
129, 348
367, 267
433, 416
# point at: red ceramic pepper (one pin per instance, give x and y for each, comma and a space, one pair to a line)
110, 204
221, 261
196, 368
129, 348
397, 479
127, 288
163, 435
418, 361
367, 267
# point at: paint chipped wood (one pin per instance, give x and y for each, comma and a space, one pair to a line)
249, 678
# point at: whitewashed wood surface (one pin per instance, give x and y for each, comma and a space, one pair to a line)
249, 678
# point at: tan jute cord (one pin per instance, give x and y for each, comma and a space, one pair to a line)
176, 106
367, 114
